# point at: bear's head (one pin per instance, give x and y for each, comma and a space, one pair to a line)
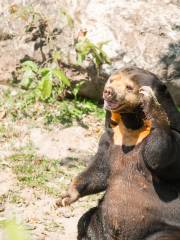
121, 93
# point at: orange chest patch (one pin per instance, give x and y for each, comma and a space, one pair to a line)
129, 137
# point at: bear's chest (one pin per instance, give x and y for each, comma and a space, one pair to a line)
129, 205
127, 161
130, 194
123, 136
126, 149
128, 210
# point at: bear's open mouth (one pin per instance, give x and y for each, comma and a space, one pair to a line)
112, 105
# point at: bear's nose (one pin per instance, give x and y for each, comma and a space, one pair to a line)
108, 93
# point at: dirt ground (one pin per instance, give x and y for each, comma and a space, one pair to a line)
36, 165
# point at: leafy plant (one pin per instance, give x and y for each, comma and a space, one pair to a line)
76, 89
29, 70
43, 79
63, 80
20, 104
75, 110
84, 47
45, 86
38, 28
46, 81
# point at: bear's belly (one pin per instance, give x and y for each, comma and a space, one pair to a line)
129, 210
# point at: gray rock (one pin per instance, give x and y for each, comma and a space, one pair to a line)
144, 33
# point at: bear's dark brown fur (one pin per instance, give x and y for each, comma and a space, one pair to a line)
137, 164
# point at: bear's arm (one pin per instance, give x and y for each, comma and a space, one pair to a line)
161, 151
94, 178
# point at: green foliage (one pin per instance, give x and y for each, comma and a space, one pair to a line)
29, 71
13, 231
31, 170
64, 82
61, 76
84, 47
45, 85
34, 171
20, 104
46, 81
69, 111
76, 89
43, 79
48, 84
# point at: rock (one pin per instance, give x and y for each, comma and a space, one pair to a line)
142, 33
174, 89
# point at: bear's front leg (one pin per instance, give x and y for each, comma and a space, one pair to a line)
91, 180
161, 150
70, 196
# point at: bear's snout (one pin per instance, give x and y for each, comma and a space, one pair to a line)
109, 94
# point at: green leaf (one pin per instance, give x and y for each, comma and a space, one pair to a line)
31, 65
44, 71
45, 86
61, 76
76, 88
80, 58
105, 57
85, 47
27, 79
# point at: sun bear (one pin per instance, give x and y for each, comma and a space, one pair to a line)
137, 164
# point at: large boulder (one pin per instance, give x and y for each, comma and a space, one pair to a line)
144, 33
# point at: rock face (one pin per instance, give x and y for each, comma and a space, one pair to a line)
145, 33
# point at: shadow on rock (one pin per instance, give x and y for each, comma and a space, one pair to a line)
171, 70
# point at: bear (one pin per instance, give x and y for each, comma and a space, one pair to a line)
137, 164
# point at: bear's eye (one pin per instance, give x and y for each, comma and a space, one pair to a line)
128, 87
